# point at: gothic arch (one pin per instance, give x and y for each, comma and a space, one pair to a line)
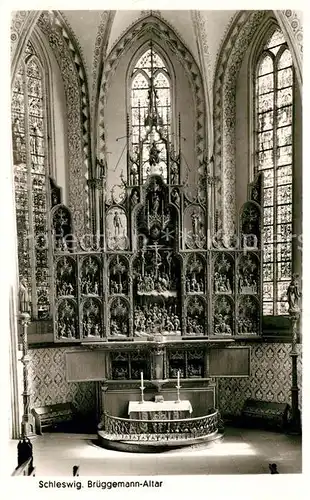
68, 57
244, 27
167, 34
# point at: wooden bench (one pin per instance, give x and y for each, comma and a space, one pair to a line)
53, 415
265, 413
26, 469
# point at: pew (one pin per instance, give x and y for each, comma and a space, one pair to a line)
25, 469
265, 413
53, 416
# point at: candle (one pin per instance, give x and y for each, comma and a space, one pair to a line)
141, 380
178, 378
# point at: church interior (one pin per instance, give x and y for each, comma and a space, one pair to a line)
155, 309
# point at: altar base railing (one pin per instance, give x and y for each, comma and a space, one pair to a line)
125, 429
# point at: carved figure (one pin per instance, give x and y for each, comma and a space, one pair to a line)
117, 224
174, 173
195, 223
134, 174
293, 294
155, 204
23, 295
102, 168
154, 155
175, 197
134, 199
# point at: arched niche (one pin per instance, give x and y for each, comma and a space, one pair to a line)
250, 225
223, 315
223, 275
248, 274
62, 228
195, 316
90, 276
248, 319
119, 309
66, 277
195, 274
66, 322
116, 229
92, 319
194, 226
118, 279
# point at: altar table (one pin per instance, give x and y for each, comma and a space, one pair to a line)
163, 410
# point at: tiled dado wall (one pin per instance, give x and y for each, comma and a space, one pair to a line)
48, 384
270, 379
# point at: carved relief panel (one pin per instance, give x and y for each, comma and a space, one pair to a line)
223, 273
66, 321
90, 276
116, 229
119, 311
195, 227
249, 274
92, 319
223, 315
118, 275
62, 229
66, 277
250, 225
196, 316
248, 315
195, 278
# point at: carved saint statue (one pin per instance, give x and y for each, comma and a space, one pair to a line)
23, 295
117, 224
102, 168
195, 223
293, 294
134, 199
156, 202
154, 155
175, 197
134, 174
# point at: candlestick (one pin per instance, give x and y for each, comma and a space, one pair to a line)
142, 388
178, 386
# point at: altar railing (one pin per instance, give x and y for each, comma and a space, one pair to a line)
116, 428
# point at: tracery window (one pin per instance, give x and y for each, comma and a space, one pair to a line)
29, 142
150, 110
274, 156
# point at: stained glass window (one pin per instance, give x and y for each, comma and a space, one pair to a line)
30, 179
150, 110
274, 149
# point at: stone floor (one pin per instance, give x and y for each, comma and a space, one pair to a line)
242, 451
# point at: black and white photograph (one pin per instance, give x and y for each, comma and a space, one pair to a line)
155, 210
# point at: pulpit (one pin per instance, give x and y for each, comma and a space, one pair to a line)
163, 410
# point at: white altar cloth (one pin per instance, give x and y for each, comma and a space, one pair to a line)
150, 406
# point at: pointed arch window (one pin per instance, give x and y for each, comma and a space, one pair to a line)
274, 156
150, 110
29, 140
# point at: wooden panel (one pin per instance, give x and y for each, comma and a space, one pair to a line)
202, 399
229, 362
84, 366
